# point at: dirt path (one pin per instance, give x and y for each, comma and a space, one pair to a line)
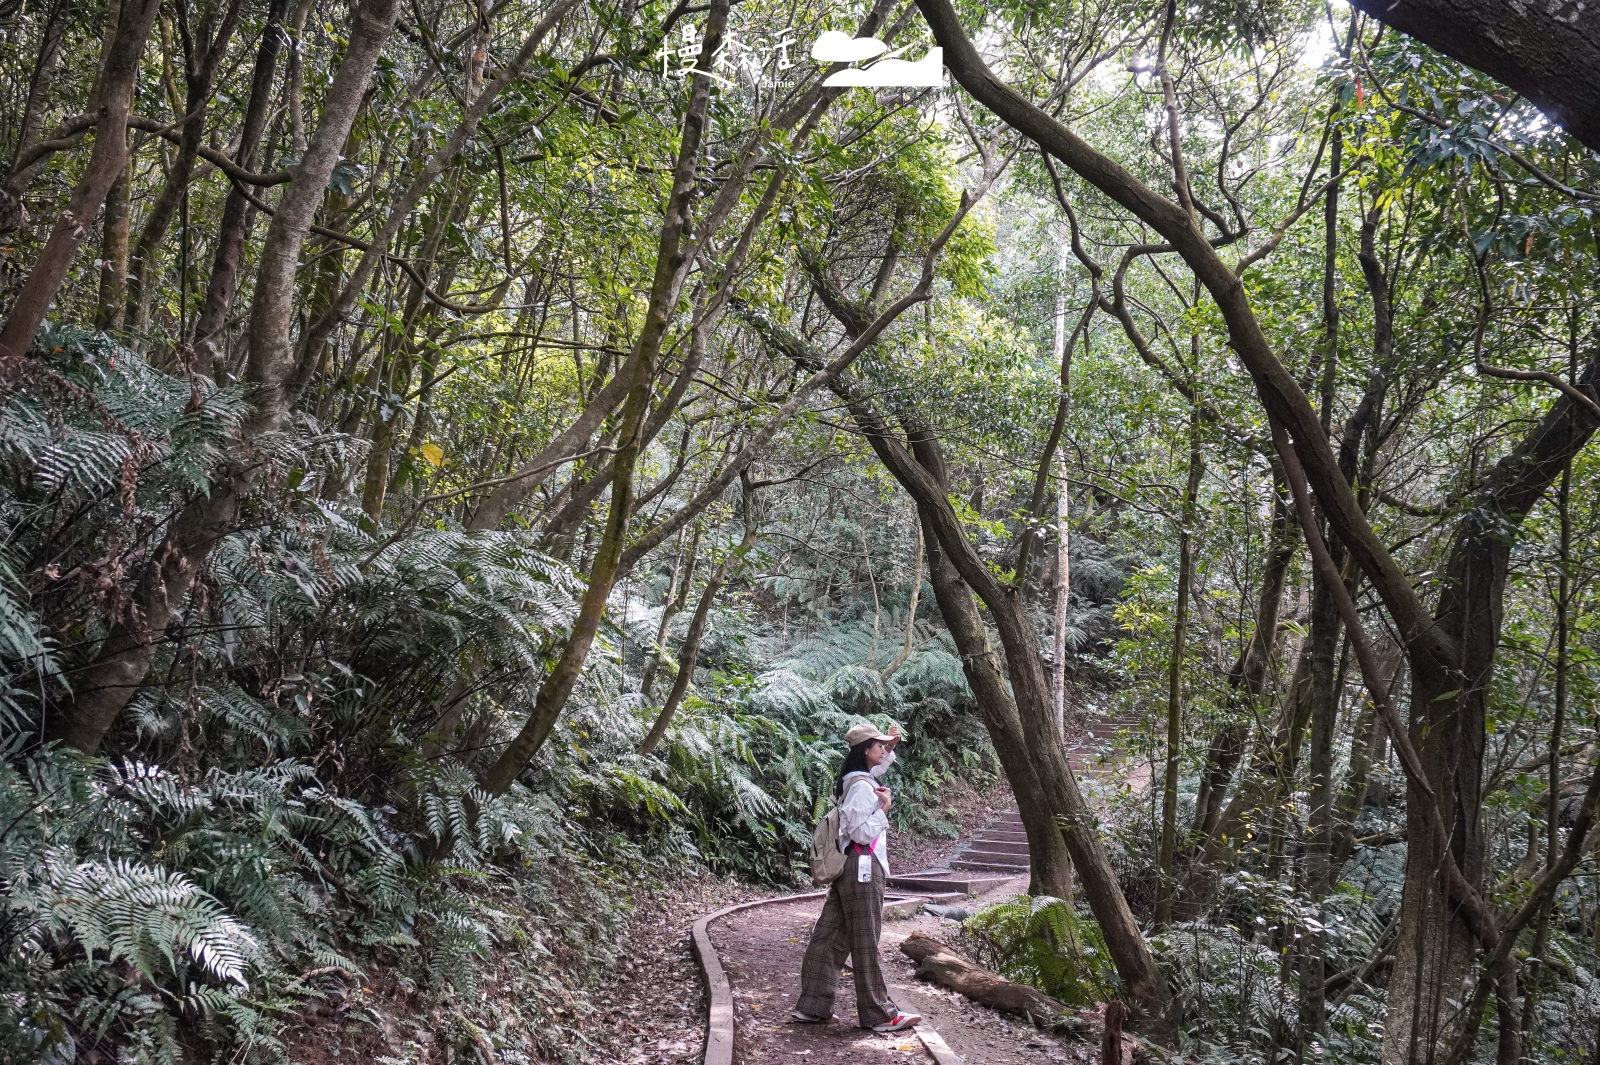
762, 949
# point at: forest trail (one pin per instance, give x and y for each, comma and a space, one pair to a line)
1094, 754
461, 464
762, 948
986, 862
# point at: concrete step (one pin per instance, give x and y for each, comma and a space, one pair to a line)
986, 847
1006, 864
980, 853
931, 883
943, 898
1003, 834
898, 909
1106, 731
1001, 839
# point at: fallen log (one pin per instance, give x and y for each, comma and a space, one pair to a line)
941, 965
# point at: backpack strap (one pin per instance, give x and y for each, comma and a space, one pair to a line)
850, 781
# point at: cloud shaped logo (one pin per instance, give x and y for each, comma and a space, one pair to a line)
927, 72
836, 47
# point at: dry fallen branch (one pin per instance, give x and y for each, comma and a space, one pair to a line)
941, 965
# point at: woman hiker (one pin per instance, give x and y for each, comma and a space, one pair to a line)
852, 916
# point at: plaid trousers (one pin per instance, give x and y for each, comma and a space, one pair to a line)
851, 920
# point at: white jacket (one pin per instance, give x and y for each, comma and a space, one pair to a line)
862, 820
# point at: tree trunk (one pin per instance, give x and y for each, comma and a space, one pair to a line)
270, 367
294, 80
1248, 676
41, 83
1062, 594
43, 77
670, 256
202, 53
236, 210
450, 209
1254, 804
1436, 948
690, 651
603, 571
1360, 428
1180, 632
113, 93
1365, 749
677, 599
911, 612
104, 687
561, 525
1540, 50
110, 309
1049, 864
1323, 697
1324, 693
1552, 814
943, 966
1142, 977
328, 319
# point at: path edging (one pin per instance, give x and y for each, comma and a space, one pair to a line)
719, 994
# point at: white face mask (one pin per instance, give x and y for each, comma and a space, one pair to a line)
883, 767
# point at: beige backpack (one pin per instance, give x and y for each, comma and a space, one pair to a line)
826, 859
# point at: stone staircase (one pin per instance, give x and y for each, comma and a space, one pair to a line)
999, 853
1089, 756
1085, 755
1002, 847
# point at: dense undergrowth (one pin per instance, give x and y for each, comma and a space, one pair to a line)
456, 356
1235, 963
281, 820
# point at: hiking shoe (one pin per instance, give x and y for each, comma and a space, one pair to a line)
897, 1022
802, 1017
